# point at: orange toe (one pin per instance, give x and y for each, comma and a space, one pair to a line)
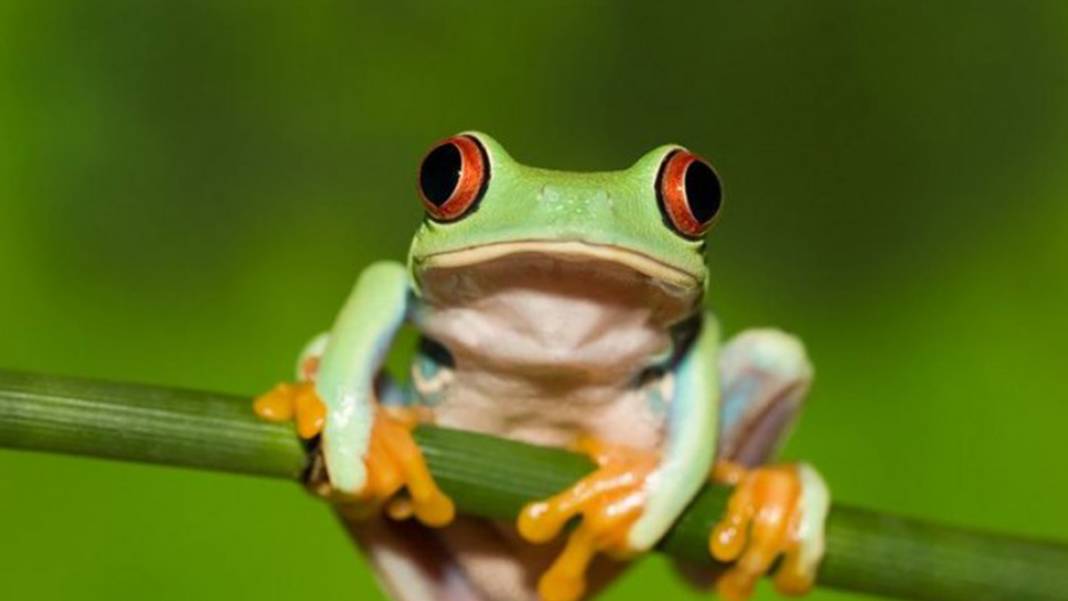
760, 525
298, 402
395, 462
609, 501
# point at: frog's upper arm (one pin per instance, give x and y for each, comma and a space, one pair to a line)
691, 438
358, 344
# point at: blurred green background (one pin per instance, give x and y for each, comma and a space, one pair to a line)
188, 190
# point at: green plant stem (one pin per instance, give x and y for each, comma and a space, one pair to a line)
867, 552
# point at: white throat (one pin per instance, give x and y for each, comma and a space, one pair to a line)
541, 316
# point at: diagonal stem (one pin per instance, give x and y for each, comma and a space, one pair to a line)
867, 552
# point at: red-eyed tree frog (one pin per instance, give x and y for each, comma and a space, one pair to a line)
561, 309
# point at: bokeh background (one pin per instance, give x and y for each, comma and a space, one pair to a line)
188, 190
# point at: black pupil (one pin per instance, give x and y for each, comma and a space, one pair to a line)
440, 173
702, 191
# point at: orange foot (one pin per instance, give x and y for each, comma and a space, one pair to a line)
394, 461
767, 517
287, 402
609, 500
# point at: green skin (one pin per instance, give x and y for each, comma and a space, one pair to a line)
607, 216
615, 209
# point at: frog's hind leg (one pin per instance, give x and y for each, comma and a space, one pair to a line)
775, 510
765, 375
410, 561
471, 559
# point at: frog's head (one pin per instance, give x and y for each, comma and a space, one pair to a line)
650, 219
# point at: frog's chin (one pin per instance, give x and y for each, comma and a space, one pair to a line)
671, 279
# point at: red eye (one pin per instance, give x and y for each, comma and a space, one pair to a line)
453, 178
689, 193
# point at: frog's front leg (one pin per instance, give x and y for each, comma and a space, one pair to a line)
369, 451
631, 500
774, 510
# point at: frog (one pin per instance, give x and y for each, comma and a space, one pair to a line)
563, 309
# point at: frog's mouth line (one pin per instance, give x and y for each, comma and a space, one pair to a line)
566, 251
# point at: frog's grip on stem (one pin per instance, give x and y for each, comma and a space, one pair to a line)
296, 402
394, 461
609, 501
774, 511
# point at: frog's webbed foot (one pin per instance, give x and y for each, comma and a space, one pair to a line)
774, 511
397, 474
609, 501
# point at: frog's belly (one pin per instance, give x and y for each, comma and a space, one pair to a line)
482, 403
544, 351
